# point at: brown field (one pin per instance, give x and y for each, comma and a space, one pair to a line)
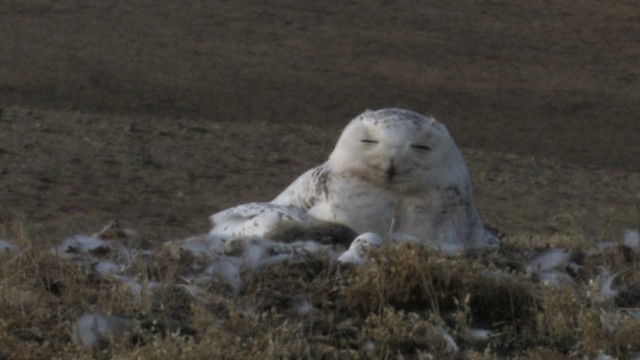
160, 113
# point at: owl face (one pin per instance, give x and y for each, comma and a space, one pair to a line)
399, 150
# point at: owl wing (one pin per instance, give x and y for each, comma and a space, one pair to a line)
254, 219
262, 219
307, 190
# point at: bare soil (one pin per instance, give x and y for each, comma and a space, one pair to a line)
160, 113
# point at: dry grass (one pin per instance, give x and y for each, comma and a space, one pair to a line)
397, 307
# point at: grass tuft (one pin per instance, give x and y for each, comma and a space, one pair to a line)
406, 302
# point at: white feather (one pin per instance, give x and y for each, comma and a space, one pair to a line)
603, 356
80, 244
549, 260
95, 329
205, 245
555, 278
632, 239
136, 288
360, 247
108, 267
450, 344
7, 248
478, 334
228, 270
605, 285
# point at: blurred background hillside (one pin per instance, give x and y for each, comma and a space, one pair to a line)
555, 79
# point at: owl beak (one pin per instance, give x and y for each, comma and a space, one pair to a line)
391, 172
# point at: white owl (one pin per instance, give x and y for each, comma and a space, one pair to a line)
393, 172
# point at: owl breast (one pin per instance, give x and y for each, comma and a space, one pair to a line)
357, 204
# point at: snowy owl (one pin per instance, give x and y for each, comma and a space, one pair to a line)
393, 172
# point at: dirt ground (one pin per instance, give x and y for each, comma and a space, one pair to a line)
160, 113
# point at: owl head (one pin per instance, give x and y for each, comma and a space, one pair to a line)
399, 150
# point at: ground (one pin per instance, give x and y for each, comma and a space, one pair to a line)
161, 113
72, 172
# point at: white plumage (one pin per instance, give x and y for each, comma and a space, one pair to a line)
256, 219
359, 248
392, 171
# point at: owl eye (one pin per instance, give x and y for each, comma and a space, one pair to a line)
421, 147
368, 141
